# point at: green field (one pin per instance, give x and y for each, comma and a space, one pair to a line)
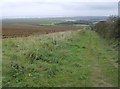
65, 59
34, 21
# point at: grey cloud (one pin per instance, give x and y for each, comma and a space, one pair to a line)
70, 6
103, 5
21, 4
91, 6
65, 8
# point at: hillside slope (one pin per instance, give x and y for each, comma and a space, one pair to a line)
73, 58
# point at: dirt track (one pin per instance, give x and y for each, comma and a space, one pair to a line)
19, 30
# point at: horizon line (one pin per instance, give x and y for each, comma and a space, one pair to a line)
53, 17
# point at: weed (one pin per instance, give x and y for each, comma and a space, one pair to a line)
18, 68
52, 71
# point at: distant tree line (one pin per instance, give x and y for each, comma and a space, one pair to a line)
77, 22
108, 29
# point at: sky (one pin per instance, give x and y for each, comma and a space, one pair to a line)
57, 8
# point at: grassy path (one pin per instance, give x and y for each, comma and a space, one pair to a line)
104, 73
75, 58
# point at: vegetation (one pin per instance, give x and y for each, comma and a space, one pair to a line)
0, 63
66, 59
109, 30
77, 22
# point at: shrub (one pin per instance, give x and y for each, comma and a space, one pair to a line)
108, 29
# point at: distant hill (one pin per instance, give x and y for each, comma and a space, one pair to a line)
92, 18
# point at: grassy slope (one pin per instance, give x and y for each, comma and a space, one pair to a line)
75, 58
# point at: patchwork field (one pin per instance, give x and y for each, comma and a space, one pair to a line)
22, 30
62, 59
26, 27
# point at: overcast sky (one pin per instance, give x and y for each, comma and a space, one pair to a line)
58, 8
